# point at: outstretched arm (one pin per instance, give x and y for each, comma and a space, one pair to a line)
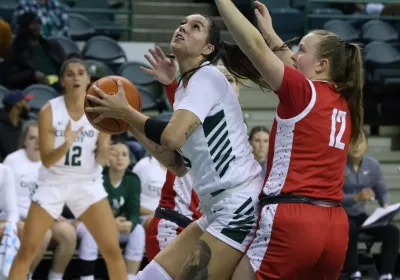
275, 43
252, 43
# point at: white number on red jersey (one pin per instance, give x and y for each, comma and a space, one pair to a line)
335, 139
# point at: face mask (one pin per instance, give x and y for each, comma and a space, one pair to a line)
24, 114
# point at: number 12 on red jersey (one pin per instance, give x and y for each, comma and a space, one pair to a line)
335, 139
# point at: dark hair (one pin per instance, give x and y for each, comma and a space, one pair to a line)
221, 64
7, 108
119, 140
234, 60
74, 55
256, 129
26, 19
346, 71
27, 126
68, 62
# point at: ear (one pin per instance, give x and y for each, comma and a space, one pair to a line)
322, 65
208, 49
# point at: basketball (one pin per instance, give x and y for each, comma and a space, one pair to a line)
109, 86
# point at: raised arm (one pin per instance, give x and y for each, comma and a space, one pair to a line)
275, 43
252, 43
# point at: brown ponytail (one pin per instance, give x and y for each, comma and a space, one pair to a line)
352, 89
346, 72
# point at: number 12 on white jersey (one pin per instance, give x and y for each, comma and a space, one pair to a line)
335, 140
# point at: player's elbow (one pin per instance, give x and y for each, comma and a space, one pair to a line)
172, 140
254, 47
46, 163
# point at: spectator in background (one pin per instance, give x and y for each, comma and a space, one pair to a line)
25, 163
32, 59
52, 14
364, 181
259, 140
9, 211
5, 38
152, 177
231, 79
15, 110
123, 188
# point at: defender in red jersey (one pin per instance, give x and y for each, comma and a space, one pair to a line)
302, 230
179, 205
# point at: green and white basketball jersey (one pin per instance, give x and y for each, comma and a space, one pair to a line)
218, 151
80, 161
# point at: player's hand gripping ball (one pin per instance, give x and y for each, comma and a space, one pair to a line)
107, 102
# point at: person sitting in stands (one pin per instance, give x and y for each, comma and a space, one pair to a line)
32, 59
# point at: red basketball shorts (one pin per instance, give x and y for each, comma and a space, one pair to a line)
160, 233
299, 241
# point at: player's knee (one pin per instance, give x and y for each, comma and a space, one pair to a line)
47, 239
64, 233
134, 250
29, 249
111, 251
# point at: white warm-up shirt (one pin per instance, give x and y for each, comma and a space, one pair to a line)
26, 178
152, 178
8, 206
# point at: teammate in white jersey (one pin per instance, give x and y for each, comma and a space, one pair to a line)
207, 134
72, 152
25, 164
152, 178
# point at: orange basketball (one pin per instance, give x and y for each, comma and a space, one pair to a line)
109, 86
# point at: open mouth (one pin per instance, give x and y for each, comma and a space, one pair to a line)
77, 86
179, 36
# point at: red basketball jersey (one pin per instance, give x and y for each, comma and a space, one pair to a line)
177, 194
309, 139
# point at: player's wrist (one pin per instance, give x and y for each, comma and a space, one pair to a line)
128, 111
67, 144
273, 40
